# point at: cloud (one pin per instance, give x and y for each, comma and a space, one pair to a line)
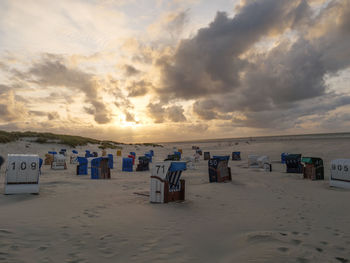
53, 116
131, 70
210, 62
51, 71
10, 109
229, 78
139, 88
160, 113
175, 114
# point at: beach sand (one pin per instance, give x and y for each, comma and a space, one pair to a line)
258, 217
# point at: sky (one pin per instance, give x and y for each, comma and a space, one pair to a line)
157, 70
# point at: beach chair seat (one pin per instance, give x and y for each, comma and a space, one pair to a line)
166, 185
219, 170
22, 174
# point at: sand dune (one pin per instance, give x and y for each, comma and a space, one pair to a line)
258, 217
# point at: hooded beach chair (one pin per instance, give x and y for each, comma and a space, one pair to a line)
293, 163
59, 162
119, 153
143, 164
206, 156
22, 174
127, 165
100, 168
219, 170
49, 158
340, 173
236, 156
166, 185
313, 168
82, 167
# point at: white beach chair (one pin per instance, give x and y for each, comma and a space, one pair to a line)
22, 174
59, 162
340, 173
166, 185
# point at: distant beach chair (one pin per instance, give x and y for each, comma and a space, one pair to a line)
219, 170
100, 168
1, 161
59, 162
127, 165
293, 163
206, 156
82, 167
166, 185
236, 156
143, 164
340, 173
119, 153
313, 168
22, 174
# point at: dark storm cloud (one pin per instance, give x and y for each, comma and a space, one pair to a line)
51, 71
210, 62
230, 79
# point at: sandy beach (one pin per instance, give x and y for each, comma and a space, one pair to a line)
258, 217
